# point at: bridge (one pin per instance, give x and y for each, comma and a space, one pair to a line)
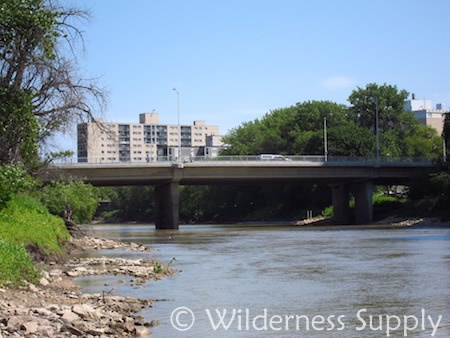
345, 176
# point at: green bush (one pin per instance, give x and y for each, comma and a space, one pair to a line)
70, 199
16, 265
13, 179
25, 220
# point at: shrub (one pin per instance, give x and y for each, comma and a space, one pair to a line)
70, 199
13, 179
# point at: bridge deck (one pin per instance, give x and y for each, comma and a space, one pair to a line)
231, 171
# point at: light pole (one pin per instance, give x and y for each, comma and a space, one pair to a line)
377, 130
444, 151
325, 139
179, 126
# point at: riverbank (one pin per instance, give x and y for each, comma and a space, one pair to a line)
56, 307
391, 222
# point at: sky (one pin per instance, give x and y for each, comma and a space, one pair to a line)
234, 61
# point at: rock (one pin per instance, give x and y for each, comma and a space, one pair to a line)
33, 288
44, 282
14, 322
69, 316
30, 327
142, 331
43, 312
85, 311
53, 307
55, 273
154, 323
73, 330
129, 327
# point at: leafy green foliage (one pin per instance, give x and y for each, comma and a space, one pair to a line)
294, 130
26, 221
16, 265
130, 203
422, 141
250, 202
27, 34
13, 179
71, 200
27, 22
19, 129
390, 103
351, 131
40, 89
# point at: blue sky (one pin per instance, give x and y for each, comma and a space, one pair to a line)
235, 60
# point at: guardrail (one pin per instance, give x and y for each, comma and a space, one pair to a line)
335, 160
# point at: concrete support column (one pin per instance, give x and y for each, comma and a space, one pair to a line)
363, 193
167, 206
341, 198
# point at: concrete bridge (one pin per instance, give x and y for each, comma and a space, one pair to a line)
345, 176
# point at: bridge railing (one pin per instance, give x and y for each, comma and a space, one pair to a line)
330, 160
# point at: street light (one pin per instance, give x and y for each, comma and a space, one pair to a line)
325, 139
179, 126
377, 130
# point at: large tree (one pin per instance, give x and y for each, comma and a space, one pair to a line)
399, 131
293, 130
390, 103
40, 88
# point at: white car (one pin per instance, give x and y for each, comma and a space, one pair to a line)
272, 157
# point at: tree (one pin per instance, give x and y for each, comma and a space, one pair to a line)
72, 200
19, 130
421, 141
135, 203
399, 131
39, 80
390, 102
292, 130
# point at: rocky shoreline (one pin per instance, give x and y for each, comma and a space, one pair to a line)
392, 222
55, 307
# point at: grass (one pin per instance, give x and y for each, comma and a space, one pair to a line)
381, 204
25, 220
26, 223
16, 265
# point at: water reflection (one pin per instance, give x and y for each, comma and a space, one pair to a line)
286, 270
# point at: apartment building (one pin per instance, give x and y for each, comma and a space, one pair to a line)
146, 141
424, 112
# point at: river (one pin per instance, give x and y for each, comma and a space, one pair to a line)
272, 280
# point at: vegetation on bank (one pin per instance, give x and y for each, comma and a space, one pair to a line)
16, 265
26, 220
28, 229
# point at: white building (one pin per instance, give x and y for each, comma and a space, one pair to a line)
145, 141
424, 112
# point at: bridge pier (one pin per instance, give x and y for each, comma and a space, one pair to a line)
341, 197
362, 192
167, 206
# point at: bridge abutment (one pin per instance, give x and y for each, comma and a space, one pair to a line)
167, 206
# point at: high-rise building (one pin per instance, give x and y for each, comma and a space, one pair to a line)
146, 141
425, 113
